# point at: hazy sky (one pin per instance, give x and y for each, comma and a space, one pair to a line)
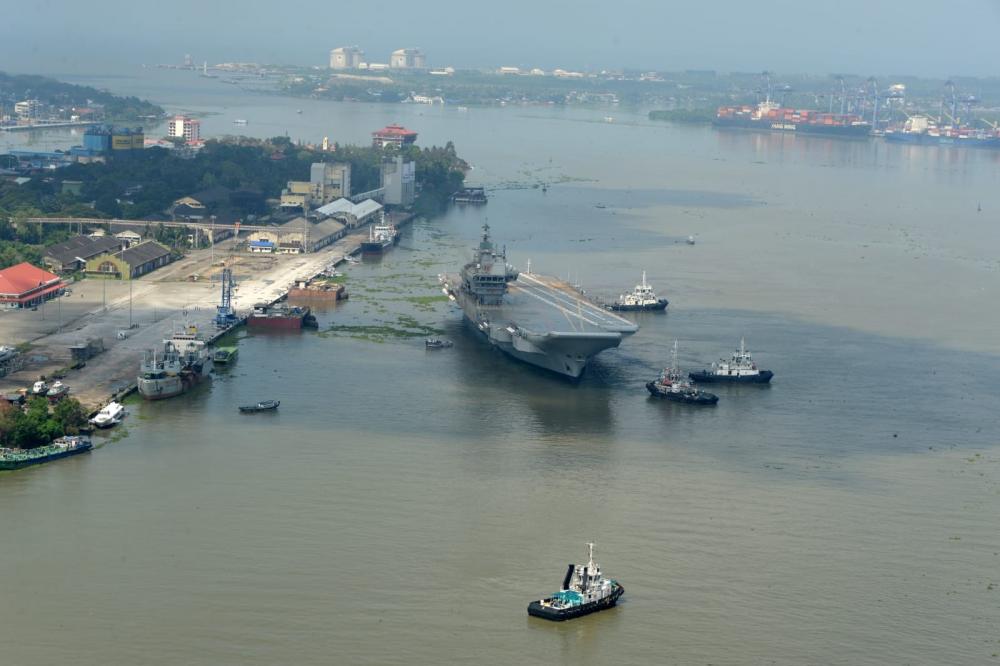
922, 37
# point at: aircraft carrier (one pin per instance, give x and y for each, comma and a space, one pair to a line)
533, 318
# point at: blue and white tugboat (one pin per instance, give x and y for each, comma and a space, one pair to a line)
674, 385
740, 368
584, 590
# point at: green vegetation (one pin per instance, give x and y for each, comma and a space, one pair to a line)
684, 115
405, 327
148, 183
36, 425
62, 97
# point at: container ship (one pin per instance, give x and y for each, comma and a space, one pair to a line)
536, 319
280, 317
923, 130
771, 117
183, 363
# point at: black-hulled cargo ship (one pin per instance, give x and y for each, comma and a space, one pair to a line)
584, 590
380, 238
739, 369
770, 117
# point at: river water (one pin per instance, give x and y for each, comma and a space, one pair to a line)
403, 506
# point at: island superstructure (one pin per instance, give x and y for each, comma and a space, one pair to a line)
533, 318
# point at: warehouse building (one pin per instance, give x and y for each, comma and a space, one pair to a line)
134, 262
65, 256
25, 286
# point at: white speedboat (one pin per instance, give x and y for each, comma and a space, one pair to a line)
111, 415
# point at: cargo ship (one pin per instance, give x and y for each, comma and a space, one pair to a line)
923, 130
183, 363
536, 319
770, 117
380, 238
59, 448
280, 317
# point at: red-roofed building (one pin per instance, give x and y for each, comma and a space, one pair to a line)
393, 135
25, 286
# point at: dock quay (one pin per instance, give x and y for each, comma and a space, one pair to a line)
132, 317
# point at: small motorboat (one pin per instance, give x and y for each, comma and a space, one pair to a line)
57, 390
262, 406
40, 387
435, 343
110, 415
690, 240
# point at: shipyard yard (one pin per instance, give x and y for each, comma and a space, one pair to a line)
158, 305
843, 513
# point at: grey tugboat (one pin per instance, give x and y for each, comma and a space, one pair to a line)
673, 385
739, 369
537, 319
584, 590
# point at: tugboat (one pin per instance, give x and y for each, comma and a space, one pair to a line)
739, 368
642, 298
673, 385
584, 590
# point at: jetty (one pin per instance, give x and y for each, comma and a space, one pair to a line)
128, 318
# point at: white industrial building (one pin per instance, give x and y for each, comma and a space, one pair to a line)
353, 214
408, 59
346, 57
399, 181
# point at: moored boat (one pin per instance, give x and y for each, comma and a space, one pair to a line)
642, 298
435, 343
280, 317
380, 238
262, 406
584, 590
59, 448
470, 195
183, 362
110, 415
673, 385
740, 368
225, 354
57, 390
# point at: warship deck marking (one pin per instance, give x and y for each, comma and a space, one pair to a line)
554, 296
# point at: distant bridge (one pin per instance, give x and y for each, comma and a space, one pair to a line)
201, 225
